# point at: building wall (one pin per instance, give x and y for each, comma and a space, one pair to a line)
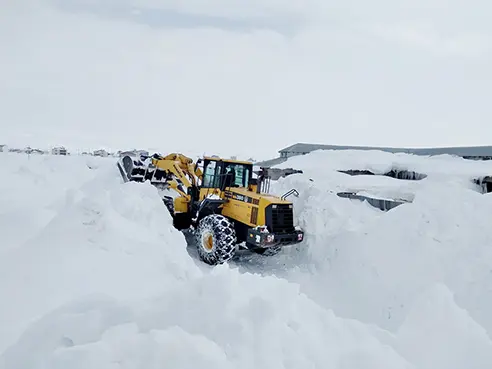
289, 154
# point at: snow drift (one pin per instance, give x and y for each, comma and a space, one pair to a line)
98, 278
371, 265
225, 319
98, 237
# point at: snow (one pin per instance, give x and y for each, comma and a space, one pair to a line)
98, 236
387, 259
433, 333
92, 274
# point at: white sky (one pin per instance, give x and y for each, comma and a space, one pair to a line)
247, 78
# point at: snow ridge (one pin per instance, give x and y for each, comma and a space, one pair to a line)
96, 277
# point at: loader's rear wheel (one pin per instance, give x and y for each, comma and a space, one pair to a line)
215, 239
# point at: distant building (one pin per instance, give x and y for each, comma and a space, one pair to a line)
270, 163
469, 152
102, 153
133, 152
59, 151
29, 150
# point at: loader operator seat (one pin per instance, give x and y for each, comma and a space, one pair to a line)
230, 177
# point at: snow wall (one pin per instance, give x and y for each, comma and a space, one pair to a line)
92, 274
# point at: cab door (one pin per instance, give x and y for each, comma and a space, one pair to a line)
211, 179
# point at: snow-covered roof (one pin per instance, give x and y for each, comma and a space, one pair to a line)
459, 151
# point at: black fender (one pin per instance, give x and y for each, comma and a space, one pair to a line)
209, 206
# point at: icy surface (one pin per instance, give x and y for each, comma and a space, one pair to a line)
92, 274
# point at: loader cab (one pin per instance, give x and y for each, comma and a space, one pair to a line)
219, 173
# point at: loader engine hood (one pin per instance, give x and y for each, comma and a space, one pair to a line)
264, 209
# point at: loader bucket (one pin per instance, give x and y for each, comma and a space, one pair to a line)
131, 169
140, 169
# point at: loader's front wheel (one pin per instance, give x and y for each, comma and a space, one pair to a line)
215, 239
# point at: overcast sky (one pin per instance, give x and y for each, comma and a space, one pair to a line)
245, 77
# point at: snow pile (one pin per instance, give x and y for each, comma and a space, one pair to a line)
438, 334
106, 282
105, 237
24, 205
390, 259
224, 320
372, 266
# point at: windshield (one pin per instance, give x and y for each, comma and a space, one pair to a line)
239, 173
219, 174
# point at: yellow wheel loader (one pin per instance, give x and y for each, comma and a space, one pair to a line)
220, 201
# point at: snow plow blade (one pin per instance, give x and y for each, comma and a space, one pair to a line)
139, 168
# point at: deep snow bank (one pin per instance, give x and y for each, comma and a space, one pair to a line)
108, 283
438, 334
29, 189
371, 265
225, 320
98, 236
108, 280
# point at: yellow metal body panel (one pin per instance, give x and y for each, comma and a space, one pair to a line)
271, 199
180, 165
241, 203
238, 211
181, 205
204, 192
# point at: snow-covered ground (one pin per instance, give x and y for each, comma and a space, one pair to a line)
92, 274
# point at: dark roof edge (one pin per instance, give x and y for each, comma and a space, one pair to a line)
456, 150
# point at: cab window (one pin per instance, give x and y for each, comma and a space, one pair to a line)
239, 175
210, 179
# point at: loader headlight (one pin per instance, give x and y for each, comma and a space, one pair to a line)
299, 237
270, 238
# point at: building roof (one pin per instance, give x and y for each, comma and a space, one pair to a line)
459, 151
270, 163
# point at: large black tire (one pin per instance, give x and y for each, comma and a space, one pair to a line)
215, 239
